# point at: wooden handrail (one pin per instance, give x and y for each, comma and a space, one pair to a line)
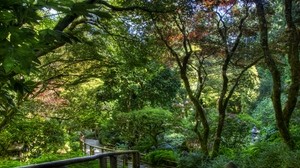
99, 147
101, 157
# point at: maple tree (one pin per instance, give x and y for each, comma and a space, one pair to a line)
210, 31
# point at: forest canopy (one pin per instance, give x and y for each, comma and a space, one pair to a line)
194, 77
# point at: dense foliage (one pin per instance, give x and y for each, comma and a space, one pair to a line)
200, 83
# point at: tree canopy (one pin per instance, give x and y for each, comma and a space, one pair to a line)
149, 74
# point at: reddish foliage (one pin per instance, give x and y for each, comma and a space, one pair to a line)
50, 96
192, 36
198, 33
213, 3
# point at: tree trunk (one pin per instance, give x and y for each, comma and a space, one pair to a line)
221, 107
276, 77
199, 114
293, 59
218, 136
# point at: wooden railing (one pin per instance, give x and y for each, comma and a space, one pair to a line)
106, 158
102, 158
90, 149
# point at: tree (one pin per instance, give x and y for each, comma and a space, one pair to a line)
25, 40
193, 47
137, 87
282, 114
17, 21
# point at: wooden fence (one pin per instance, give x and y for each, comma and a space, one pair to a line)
102, 158
106, 158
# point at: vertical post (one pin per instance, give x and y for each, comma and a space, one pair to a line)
113, 161
84, 145
81, 139
103, 162
81, 146
125, 160
135, 160
91, 150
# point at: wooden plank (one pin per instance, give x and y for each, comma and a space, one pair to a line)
113, 161
103, 162
135, 160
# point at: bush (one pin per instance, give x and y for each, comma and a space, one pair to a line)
193, 160
52, 157
269, 155
47, 157
162, 157
9, 163
38, 136
219, 162
142, 129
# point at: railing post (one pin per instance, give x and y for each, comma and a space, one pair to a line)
113, 161
135, 160
84, 145
125, 160
81, 145
92, 152
103, 162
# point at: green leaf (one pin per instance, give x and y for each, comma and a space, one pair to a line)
9, 64
6, 17
48, 36
21, 36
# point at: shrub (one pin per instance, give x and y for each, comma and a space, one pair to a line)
52, 157
142, 129
9, 163
38, 136
162, 157
193, 160
219, 162
269, 155
47, 157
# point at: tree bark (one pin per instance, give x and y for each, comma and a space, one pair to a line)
293, 59
276, 76
200, 116
221, 107
226, 93
199, 110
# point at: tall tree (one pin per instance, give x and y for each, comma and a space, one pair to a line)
191, 38
282, 114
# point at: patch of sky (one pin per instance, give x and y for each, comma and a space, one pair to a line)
51, 13
135, 26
